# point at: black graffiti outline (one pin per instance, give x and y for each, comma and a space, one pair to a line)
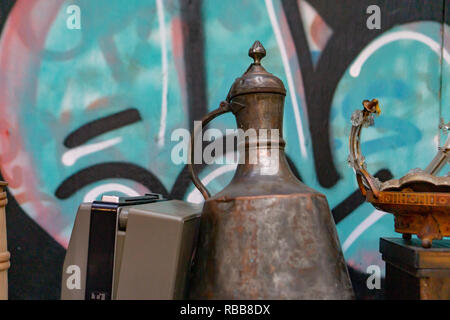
102, 125
320, 81
109, 170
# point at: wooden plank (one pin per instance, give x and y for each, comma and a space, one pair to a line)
4, 254
411, 255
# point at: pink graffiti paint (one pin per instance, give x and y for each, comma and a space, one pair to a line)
23, 40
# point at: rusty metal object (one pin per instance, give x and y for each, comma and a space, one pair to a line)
4, 254
265, 236
420, 200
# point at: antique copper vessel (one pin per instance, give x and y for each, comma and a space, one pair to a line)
266, 235
420, 200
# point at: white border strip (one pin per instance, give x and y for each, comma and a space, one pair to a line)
363, 226
355, 69
287, 70
165, 71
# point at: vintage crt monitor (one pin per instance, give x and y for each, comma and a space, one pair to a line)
130, 248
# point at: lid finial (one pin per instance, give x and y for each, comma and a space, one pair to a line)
256, 79
257, 52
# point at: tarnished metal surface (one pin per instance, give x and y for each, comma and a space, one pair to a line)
265, 236
256, 79
270, 247
418, 182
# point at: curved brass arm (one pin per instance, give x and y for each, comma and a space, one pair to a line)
362, 118
443, 155
223, 108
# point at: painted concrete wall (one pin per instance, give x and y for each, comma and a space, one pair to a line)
143, 68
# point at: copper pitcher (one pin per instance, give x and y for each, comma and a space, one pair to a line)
266, 235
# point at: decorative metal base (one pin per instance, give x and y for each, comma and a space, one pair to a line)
424, 214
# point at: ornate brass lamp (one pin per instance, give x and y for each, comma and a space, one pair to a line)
420, 200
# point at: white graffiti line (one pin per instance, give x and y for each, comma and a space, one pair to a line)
71, 156
363, 226
289, 77
108, 187
165, 71
195, 196
355, 69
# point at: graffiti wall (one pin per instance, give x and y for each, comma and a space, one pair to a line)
90, 99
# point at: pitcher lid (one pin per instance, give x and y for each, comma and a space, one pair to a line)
256, 79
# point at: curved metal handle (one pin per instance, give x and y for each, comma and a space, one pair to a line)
360, 119
443, 155
223, 108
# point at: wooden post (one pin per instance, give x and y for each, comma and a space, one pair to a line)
4, 254
413, 272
